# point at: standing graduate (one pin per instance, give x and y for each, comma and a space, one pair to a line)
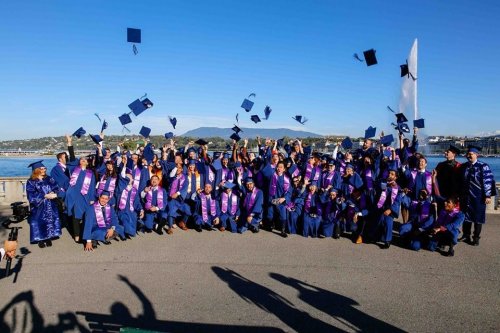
448, 173
478, 187
42, 190
177, 193
108, 181
129, 204
280, 194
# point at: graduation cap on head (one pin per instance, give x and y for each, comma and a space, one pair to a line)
235, 137
96, 138
255, 118
387, 140
173, 121
145, 131
455, 150
134, 36
169, 135
419, 123
346, 143
474, 149
201, 142
267, 112
104, 125
125, 119
369, 56
300, 119
228, 186
79, 132
140, 105
36, 165
115, 155
236, 129
370, 132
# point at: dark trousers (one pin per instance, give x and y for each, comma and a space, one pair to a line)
75, 228
467, 227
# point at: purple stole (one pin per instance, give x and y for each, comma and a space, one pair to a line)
224, 202
204, 211
342, 166
307, 205
250, 200
137, 178
329, 209
159, 198
328, 179
211, 175
101, 222
422, 209
295, 172
177, 184
445, 217
123, 199
309, 169
368, 179
227, 175
86, 182
383, 196
111, 186
428, 180
274, 184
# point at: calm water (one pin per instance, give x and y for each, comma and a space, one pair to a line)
18, 166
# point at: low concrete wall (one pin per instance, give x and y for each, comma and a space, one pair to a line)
12, 189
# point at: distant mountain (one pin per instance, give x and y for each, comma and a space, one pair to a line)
274, 133
486, 134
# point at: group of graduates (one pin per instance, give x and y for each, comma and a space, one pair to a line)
284, 186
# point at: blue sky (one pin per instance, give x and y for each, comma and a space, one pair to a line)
62, 61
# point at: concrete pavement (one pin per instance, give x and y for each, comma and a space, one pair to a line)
223, 282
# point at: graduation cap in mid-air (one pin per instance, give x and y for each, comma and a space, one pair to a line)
346, 143
235, 137
201, 142
140, 105
169, 135
173, 121
104, 125
255, 118
405, 71
247, 103
370, 132
96, 138
300, 119
145, 131
125, 119
369, 56
387, 140
79, 132
419, 123
267, 112
134, 36
236, 129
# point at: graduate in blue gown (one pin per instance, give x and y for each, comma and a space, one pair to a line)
80, 194
108, 181
422, 217
177, 195
331, 209
42, 190
446, 229
279, 196
155, 206
312, 211
101, 223
128, 206
229, 204
251, 208
295, 206
207, 213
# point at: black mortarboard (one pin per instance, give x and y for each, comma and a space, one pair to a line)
173, 121
370, 132
346, 143
405, 71
387, 140
104, 125
255, 118
235, 137
145, 131
139, 106
267, 112
419, 123
96, 138
455, 150
79, 132
369, 56
125, 119
400, 118
247, 105
133, 35
236, 129
201, 142
300, 119
36, 165
169, 135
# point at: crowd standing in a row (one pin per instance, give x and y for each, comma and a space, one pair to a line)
285, 187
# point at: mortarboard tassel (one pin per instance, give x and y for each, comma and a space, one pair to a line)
97, 115
134, 48
356, 56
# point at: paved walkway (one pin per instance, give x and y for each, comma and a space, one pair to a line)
222, 282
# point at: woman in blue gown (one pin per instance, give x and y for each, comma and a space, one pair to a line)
44, 221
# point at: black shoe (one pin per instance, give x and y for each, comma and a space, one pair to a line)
475, 242
451, 252
255, 230
284, 234
386, 245
94, 244
198, 228
336, 236
106, 242
41, 244
465, 239
48, 243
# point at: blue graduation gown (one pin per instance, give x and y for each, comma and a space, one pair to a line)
76, 202
478, 184
92, 231
228, 219
44, 215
